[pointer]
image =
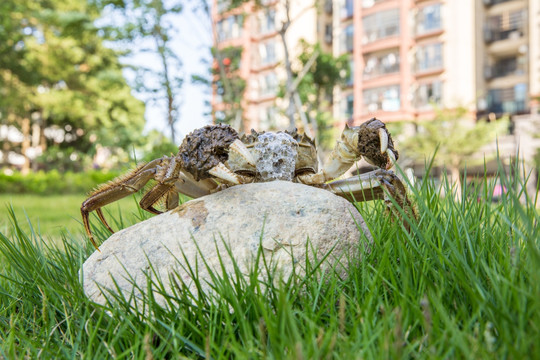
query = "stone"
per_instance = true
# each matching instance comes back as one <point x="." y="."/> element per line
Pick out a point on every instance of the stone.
<point x="276" y="218"/>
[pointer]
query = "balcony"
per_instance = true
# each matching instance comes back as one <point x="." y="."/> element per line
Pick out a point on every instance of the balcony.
<point x="511" y="100"/>
<point x="380" y="64"/>
<point x="384" y="98"/>
<point x="506" y="26"/>
<point x="495" y="2"/>
<point x="380" y="25"/>
<point x="428" y="20"/>
<point x="427" y="95"/>
<point x="429" y="58"/>
<point x="510" y="66"/>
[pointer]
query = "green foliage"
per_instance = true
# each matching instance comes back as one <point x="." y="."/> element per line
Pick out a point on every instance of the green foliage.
<point x="324" y="75"/>
<point x="156" y="145"/>
<point x="317" y="85"/>
<point x="232" y="88"/>
<point x="453" y="138"/>
<point x="464" y="283"/>
<point x="54" y="64"/>
<point x="56" y="214"/>
<point x="60" y="159"/>
<point x="53" y="182"/>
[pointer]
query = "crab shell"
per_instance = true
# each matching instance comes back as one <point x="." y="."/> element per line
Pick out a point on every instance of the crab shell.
<point x="306" y="158"/>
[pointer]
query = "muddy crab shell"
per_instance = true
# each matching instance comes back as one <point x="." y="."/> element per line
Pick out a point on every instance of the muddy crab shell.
<point x="369" y="143"/>
<point x="206" y="147"/>
<point x="307" y="153"/>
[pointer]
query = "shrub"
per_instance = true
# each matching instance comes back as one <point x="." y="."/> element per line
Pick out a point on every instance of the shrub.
<point x="54" y="182"/>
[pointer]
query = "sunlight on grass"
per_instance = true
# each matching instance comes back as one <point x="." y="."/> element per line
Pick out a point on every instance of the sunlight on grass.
<point x="56" y="214"/>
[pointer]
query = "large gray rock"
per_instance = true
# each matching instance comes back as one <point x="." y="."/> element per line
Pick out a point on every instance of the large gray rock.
<point x="278" y="217"/>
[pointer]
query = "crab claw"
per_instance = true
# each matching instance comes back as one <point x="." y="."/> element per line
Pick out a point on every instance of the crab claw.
<point x="240" y="148"/>
<point x="222" y="172"/>
<point x="383" y="136"/>
<point x="375" y="144"/>
<point x="392" y="159"/>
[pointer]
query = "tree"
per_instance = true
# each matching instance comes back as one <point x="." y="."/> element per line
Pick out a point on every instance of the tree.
<point x="223" y="76"/>
<point x="148" y="27"/>
<point x="454" y="139"/>
<point x="56" y="73"/>
<point x="314" y="83"/>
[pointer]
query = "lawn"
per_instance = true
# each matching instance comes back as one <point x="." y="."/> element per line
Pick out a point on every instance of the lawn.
<point x="55" y="214"/>
<point x="463" y="283"/>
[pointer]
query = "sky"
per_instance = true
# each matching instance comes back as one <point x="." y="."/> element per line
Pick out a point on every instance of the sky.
<point x="192" y="44"/>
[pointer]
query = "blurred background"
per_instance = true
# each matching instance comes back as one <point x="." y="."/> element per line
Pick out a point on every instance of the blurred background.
<point x="89" y="88"/>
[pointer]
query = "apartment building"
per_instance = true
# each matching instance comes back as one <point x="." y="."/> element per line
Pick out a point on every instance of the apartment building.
<point x="407" y="56"/>
<point x="255" y="29"/>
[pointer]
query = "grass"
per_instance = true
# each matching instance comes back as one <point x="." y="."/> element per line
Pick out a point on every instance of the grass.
<point x="464" y="283"/>
<point x="53" y="215"/>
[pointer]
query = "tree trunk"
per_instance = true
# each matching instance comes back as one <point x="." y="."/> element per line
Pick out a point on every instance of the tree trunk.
<point x="36" y="137"/>
<point x="25" y="129"/>
<point x="6" y="148"/>
<point x="161" y="44"/>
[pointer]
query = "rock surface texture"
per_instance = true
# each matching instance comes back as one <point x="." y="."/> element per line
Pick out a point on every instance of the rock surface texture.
<point x="276" y="218"/>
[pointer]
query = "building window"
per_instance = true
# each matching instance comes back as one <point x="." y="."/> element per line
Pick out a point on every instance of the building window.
<point x="347" y="9"/>
<point x="369" y="3"/>
<point x="378" y="64"/>
<point x="509" y="25"/>
<point x="267" y="53"/>
<point x="347" y="39"/>
<point x="268" y="85"/>
<point x="347" y="107"/>
<point x="380" y="25"/>
<point x="350" y="79"/>
<point x="230" y="27"/>
<point x="511" y="100"/>
<point x="328" y="33"/>
<point x="429" y="57"/>
<point x="428" y="94"/>
<point x="513" y="65"/>
<point x="428" y="19"/>
<point x="385" y="98"/>
<point x="267" y="21"/>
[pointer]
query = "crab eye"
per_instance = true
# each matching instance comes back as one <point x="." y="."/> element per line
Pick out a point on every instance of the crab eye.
<point x="304" y="171"/>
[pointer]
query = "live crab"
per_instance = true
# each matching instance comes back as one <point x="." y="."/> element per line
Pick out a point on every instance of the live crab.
<point x="215" y="157"/>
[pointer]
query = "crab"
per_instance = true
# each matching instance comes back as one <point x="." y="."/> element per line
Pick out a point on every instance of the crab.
<point x="216" y="157"/>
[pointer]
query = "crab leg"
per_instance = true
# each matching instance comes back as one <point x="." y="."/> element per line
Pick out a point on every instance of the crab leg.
<point x="370" y="140"/>
<point x="102" y="218"/>
<point x="187" y="185"/>
<point x="116" y="190"/>
<point x="375" y="185"/>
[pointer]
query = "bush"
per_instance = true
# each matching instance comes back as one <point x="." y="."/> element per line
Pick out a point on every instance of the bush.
<point x="54" y="182"/>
